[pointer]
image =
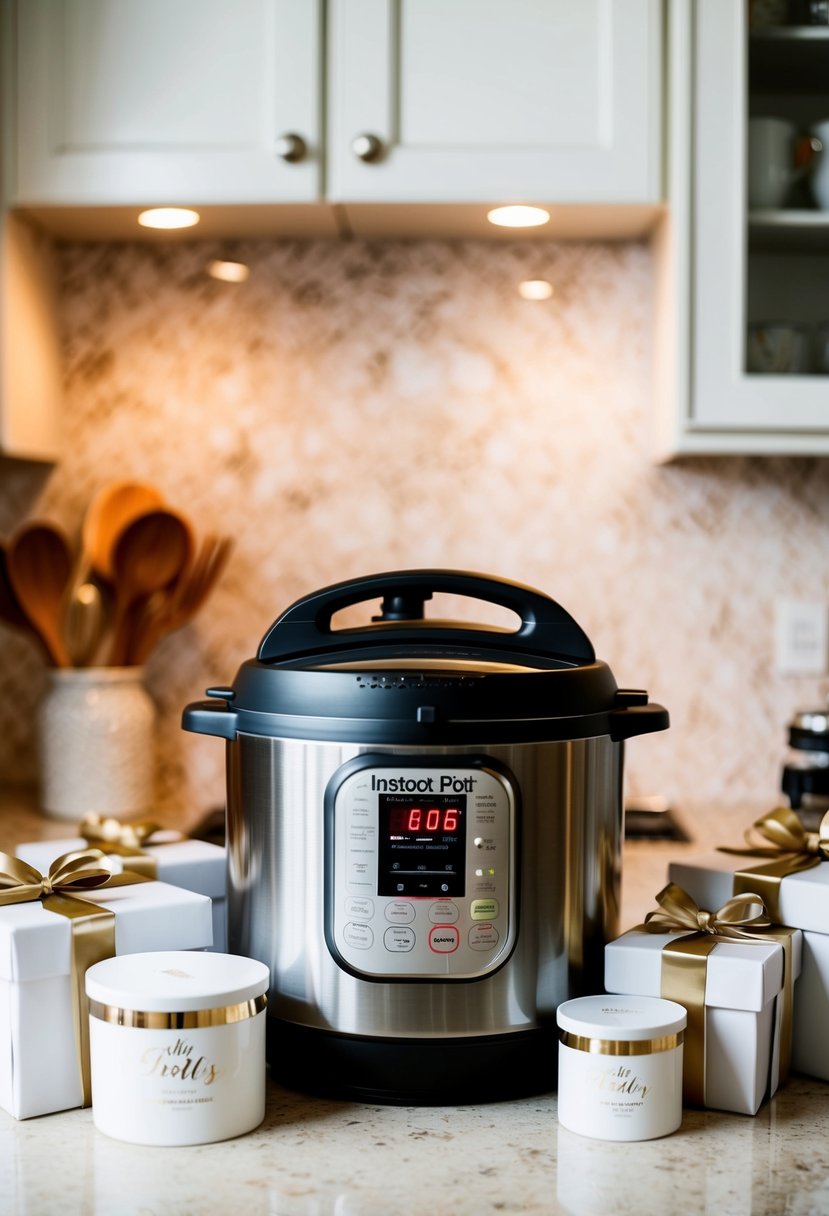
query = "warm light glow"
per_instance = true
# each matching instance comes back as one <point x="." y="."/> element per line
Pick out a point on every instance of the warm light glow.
<point x="518" y="216"/>
<point x="228" y="272"/>
<point x="87" y="593"/>
<point x="535" y="289"/>
<point x="168" y="217"/>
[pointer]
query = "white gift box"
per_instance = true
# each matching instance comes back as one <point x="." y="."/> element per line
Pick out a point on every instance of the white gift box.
<point x="39" y="1071"/>
<point x="194" y="865"/>
<point x="803" y="904"/>
<point x="742" y="984"/>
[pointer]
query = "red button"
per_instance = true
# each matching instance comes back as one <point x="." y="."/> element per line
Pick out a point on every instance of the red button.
<point x="443" y="939"/>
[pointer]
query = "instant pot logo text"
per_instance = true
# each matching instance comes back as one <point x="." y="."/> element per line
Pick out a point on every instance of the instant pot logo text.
<point x="445" y="784"/>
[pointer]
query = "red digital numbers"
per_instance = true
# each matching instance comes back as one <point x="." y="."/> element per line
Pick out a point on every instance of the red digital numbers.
<point x="435" y="820"/>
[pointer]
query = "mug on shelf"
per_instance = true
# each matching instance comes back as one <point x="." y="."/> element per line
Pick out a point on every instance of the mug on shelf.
<point x="779" y="156"/>
<point x="778" y="348"/>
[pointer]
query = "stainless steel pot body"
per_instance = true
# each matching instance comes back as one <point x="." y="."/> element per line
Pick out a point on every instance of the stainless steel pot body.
<point x="566" y="882"/>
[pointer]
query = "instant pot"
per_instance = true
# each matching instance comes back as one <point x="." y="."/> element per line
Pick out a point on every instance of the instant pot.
<point x="424" y="829"/>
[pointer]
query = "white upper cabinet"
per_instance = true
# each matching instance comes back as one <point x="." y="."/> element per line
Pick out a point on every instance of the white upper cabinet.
<point x="222" y="102"/>
<point x="746" y="287"/>
<point x="146" y="101"/>
<point x="474" y="100"/>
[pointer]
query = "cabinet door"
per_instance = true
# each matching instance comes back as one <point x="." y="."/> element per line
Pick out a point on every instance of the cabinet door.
<point x="478" y="100"/>
<point x="149" y="101"/>
<point x="30" y="362"/>
<point x="738" y="266"/>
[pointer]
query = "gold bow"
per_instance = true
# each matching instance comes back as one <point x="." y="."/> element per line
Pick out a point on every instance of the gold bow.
<point x="780" y="838"/>
<point x="81" y="870"/>
<point x="93" y="927"/>
<point x="96" y="828"/>
<point x="685" y="967"/>
<point x="678" y="911"/>
<point x="780" y="831"/>
<point x="126" y="840"/>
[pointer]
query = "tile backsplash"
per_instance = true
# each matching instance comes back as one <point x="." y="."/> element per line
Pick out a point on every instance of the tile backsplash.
<point x="356" y="407"/>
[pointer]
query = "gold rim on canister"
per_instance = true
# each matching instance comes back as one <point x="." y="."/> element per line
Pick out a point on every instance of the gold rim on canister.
<point x="621" y="1047"/>
<point x="191" y="1019"/>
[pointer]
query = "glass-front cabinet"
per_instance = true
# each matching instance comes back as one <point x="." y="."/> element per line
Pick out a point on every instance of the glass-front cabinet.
<point x="745" y="253"/>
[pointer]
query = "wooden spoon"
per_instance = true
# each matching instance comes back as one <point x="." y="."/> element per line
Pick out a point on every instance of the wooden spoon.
<point x="10" y="610"/>
<point x="184" y="597"/>
<point x="112" y="509"/>
<point x="151" y="552"/>
<point x="40" y="568"/>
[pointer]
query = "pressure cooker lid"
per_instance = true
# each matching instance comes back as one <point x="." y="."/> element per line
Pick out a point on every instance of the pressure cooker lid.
<point x="405" y="678"/>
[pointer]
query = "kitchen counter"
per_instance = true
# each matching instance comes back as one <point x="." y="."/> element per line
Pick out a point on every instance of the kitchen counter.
<point x="315" y="1157"/>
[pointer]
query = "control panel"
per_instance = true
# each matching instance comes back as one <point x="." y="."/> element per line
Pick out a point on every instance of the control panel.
<point x="420" y="861"/>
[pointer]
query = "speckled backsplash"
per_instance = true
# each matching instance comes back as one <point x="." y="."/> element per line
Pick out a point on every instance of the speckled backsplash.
<point x="357" y="407"/>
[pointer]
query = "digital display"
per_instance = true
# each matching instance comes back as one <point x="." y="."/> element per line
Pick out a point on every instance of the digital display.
<point x="422" y="846"/>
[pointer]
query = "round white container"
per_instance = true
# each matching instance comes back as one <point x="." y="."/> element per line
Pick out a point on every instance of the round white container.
<point x="620" y="1066"/>
<point x="177" y="1043"/>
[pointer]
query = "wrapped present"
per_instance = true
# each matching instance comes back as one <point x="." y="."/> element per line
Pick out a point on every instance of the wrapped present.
<point x="734" y="974"/>
<point x="787" y="865"/>
<point x="145" y="848"/>
<point x="53" y="927"/>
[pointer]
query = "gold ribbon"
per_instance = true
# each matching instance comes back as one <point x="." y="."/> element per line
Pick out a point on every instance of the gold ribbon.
<point x="739" y="917"/>
<point x="125" y="840"/>
<point x="788" y="848"/>
<point x="685" y="967"/>
<point x="93" y="927"/>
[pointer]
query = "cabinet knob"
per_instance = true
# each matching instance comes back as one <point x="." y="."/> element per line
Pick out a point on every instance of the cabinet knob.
<point x="367" y="147"/>
<point x="291" y="147"/>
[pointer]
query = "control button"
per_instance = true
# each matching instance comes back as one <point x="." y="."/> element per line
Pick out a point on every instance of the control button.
<point x="358" y="936"/>
<point x="443" y="912"/>
<point x="360" y="909"/>
<point x="484" y="909"/>
<point x="444" y="939"/>
<point x="399" y="940"/>
<point x="400" y="912"/>
<point x="483" y="937"/>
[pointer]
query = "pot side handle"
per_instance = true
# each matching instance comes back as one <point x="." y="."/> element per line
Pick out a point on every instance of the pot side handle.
<point x="632" y="720"/>
<point x="210" y="718"/>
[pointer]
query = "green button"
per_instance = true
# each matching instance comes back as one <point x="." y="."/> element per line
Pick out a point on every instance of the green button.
<point x="484" y="909"/>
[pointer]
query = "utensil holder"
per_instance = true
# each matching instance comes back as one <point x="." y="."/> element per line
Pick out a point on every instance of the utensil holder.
<point x="96" y="745"/>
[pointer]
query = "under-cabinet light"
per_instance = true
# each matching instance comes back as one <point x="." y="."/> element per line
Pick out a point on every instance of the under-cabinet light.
<point x="168" y="217"/>
<point x="518" y="216"/>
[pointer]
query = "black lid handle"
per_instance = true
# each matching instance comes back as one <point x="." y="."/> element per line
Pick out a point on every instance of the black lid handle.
<point x="546" y="629"/>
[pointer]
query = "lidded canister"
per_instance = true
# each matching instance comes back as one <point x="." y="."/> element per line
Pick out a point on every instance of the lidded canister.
<point x="620" y="1066"/>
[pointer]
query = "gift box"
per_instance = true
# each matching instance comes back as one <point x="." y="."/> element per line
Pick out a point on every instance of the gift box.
<point x="743" y="1015"/>
<point x="42" y="950"/>
<point x="802" y="901"/>
<point x="194" y="865"/>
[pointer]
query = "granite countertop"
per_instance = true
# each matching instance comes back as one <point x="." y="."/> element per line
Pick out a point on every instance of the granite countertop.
<point x="317" y="1157"/>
